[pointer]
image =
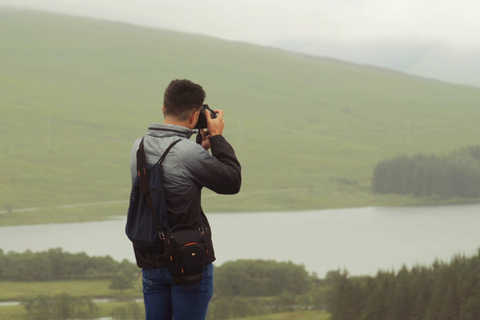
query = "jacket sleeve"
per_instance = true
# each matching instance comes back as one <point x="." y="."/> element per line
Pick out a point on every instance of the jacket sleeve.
<point x="220" y="171"/>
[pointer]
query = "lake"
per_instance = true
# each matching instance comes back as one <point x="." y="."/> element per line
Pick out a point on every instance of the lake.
<point x="361" y="240"/>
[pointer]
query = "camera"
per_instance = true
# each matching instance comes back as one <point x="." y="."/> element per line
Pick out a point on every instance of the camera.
<point x="202" y="119"/>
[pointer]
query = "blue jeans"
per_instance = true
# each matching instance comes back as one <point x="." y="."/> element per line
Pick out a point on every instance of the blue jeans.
<point x="165" y="300"/>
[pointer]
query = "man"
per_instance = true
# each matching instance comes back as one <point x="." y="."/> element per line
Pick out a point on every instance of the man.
<point x="188" y="168"/>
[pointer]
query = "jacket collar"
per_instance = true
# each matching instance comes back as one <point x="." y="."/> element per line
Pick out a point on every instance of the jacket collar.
<point x="167" y="130"/>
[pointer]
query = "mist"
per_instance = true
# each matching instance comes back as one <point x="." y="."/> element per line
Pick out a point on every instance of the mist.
<point x="432" y="59"/>
<point x="434" y="41"/>
<point x="310" y="129"/>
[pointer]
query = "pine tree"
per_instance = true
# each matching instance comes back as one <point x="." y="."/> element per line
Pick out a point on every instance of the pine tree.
<point x="347" y="299"/>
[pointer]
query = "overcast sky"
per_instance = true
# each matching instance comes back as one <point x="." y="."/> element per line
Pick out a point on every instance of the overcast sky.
<point x="439" y="39"/>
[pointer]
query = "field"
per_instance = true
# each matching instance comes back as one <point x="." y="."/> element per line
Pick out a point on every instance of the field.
<point x="19" y="313"/>
<point x="16" y="291"/>
<point x="20" y="291"/>
<point x="299" y="315"/>
<point x="308" y="131"/>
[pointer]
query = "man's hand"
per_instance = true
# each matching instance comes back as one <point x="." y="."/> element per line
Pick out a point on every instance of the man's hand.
<point x="215" y="126"/>
<point x="205" y="141"/>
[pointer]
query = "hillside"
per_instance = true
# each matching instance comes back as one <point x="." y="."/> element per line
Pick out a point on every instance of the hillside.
<point x="77" y="92"/>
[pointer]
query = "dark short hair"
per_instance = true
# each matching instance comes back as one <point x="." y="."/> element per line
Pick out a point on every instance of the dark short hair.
<point x="181" y="98"/>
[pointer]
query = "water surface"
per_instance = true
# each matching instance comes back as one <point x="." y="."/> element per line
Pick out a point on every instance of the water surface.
<point x="361" y="240"/>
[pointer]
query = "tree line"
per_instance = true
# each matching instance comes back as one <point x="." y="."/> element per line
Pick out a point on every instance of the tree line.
<point x="444" y="291"/>
<point x="256" y="287"/>
<point x="454" y="175"/>
<point x="242" y="288"/>
<point x="55" y="264"/>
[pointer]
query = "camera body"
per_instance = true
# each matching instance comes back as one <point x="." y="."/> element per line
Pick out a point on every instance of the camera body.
<point x="202" y="118"/>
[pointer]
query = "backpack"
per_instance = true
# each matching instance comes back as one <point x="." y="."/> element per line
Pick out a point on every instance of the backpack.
<point x="148" y="229"/>
<point x="141" y="226"/>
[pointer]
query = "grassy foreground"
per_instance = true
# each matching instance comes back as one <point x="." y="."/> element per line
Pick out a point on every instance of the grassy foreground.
<point x="19" y="313"/>
<point x="308" y="131"/>
<point x="15" y="291"/>
<point x="18" y="291"/>
<point x="299" y="315"/>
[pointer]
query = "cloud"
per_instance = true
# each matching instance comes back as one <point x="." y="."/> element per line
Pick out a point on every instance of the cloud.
<point x="270" y="20"/>
<point x="426" y="38"/>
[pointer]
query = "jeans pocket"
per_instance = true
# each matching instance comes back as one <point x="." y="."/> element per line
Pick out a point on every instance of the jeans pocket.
<point x="147" y="283"/>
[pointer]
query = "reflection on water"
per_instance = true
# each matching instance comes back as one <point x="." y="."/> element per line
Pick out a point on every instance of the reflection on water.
<point x="361" y="240"/>
<point x="10" y="303"/>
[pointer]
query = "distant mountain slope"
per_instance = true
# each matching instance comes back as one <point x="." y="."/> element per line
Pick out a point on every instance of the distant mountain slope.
<point x="75" y="93"/>
<point x="457" y="64"/>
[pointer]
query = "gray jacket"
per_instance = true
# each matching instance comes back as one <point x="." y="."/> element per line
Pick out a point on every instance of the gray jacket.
<point x="187" y="168"/>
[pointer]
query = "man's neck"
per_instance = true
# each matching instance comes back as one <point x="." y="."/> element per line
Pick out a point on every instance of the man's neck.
<point x="185" y="124"/>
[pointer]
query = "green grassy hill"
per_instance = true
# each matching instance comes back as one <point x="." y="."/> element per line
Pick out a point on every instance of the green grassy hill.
<point x="75" y="93"/>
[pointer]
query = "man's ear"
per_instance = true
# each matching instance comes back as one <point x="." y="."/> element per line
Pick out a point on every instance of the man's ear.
<point x="194" y="118"/>
<point x="163" y="112"/>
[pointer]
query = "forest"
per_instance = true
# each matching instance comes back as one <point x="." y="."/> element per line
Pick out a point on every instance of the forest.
<point x="442" y="177"/>
<point x="443" y="291"/>
<point x="55" y="264"/>
<point x="246" y="288"/>
<point x="242" y="288"/>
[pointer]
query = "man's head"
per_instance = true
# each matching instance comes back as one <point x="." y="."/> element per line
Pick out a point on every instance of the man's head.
<point x="181" y="99"/>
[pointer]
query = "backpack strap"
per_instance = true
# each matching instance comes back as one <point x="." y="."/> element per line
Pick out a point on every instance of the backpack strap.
<point x="167" y="150"/>
<point x="142" y="173"/>
<point x="144" y="180"/>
